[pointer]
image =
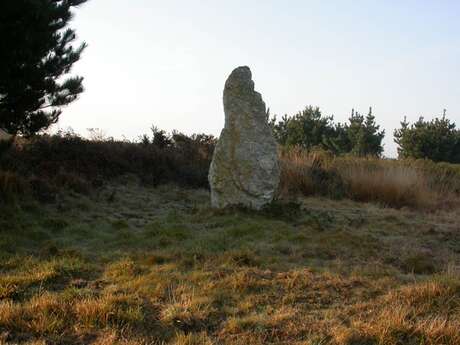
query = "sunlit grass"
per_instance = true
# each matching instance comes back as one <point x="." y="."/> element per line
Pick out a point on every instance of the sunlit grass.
<point x="158" y="266"/>
<point x="416" y="184"/>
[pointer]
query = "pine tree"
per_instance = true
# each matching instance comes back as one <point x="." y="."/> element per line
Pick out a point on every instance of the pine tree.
<point x="438" y="140"/>
<point x="355" y="133"/>
<point x="310" y="129"/>
<point x="364" y="134"/>
<point x="36" y="52"/>
<point x="374" y="136"/>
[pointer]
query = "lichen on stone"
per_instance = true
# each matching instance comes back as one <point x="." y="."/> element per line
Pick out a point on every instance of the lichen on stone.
<point x="245" y="168"/>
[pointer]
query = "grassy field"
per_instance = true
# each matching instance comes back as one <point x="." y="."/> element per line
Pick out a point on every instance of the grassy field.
<point x="140" y="265"/>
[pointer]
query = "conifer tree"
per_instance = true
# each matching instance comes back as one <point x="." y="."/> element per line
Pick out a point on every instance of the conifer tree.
<point x="36" y="54"/>
<point x="310" y="129"/>
<point x="438" y="140"/>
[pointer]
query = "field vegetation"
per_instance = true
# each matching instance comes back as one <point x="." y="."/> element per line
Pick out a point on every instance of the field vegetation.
<point x="131" y="264"/>
<point x="106" y="242"/>
<point x="419" y="184"/>
<point x="110" y="242"/>
<point x="43" y="165"/>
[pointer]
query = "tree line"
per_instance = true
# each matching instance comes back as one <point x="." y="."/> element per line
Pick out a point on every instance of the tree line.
<point x="37" y="53"/>
<point x="437" y="140"/>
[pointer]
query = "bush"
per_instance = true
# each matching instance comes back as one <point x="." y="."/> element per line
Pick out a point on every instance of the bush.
<point x="309" y="173"/>
<point x="11" y="186"/>
<point x="443" y="177"/>
<point x="437" y="140"/>
<point x="69" y="161"/>
<point x="310" y="129"/>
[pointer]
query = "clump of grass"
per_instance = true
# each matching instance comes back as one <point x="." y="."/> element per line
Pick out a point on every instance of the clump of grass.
<point x="419" y="263"/>
<point x="43" y="190"/>
<point x="120" y="224"/>
<point x="50" y="314"/>
<point x="192" y="339"/>
<point x="110" y="310"/>
<point x="295" y="173"/>
<point x="422" y="313"/>
<point x="188" y="312"/>
<point x="388" y="182"/>
<point x="55" y="224"/>
<point x="309" y="173"/>
<point x="73" y="182"/>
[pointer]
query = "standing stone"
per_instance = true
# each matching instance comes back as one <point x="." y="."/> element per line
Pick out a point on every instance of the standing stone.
<point x="245" y="169"/>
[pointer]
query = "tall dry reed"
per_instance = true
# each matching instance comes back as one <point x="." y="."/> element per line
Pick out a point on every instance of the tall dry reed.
<point x="388" y="182"/>
<point x="392" y="183"/>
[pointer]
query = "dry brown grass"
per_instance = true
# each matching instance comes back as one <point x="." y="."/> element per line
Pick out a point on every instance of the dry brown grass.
<point x="158" y="266"/>
<point x="423" y="313"/>
<point x="296" y="166"/>
<point x="388" y="182"/>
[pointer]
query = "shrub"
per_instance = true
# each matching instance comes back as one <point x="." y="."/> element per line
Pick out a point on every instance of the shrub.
<point x="69" y="161"/>
<point x="11" y="185"/>
<point x="310" y="129"/>
<point x="437" y="140"/>
<point x="444" y="177"/>
<point x="42" y="190"/>
<point x="309" y="173"/>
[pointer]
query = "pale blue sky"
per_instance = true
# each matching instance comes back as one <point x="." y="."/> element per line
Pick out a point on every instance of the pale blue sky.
<point x="165" y="62"/>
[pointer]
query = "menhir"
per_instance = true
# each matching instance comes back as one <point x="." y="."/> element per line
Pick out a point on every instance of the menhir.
<point x="245" y="168"/>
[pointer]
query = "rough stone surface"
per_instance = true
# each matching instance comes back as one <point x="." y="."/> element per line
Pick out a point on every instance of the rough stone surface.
<point x="245" y="169"/>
